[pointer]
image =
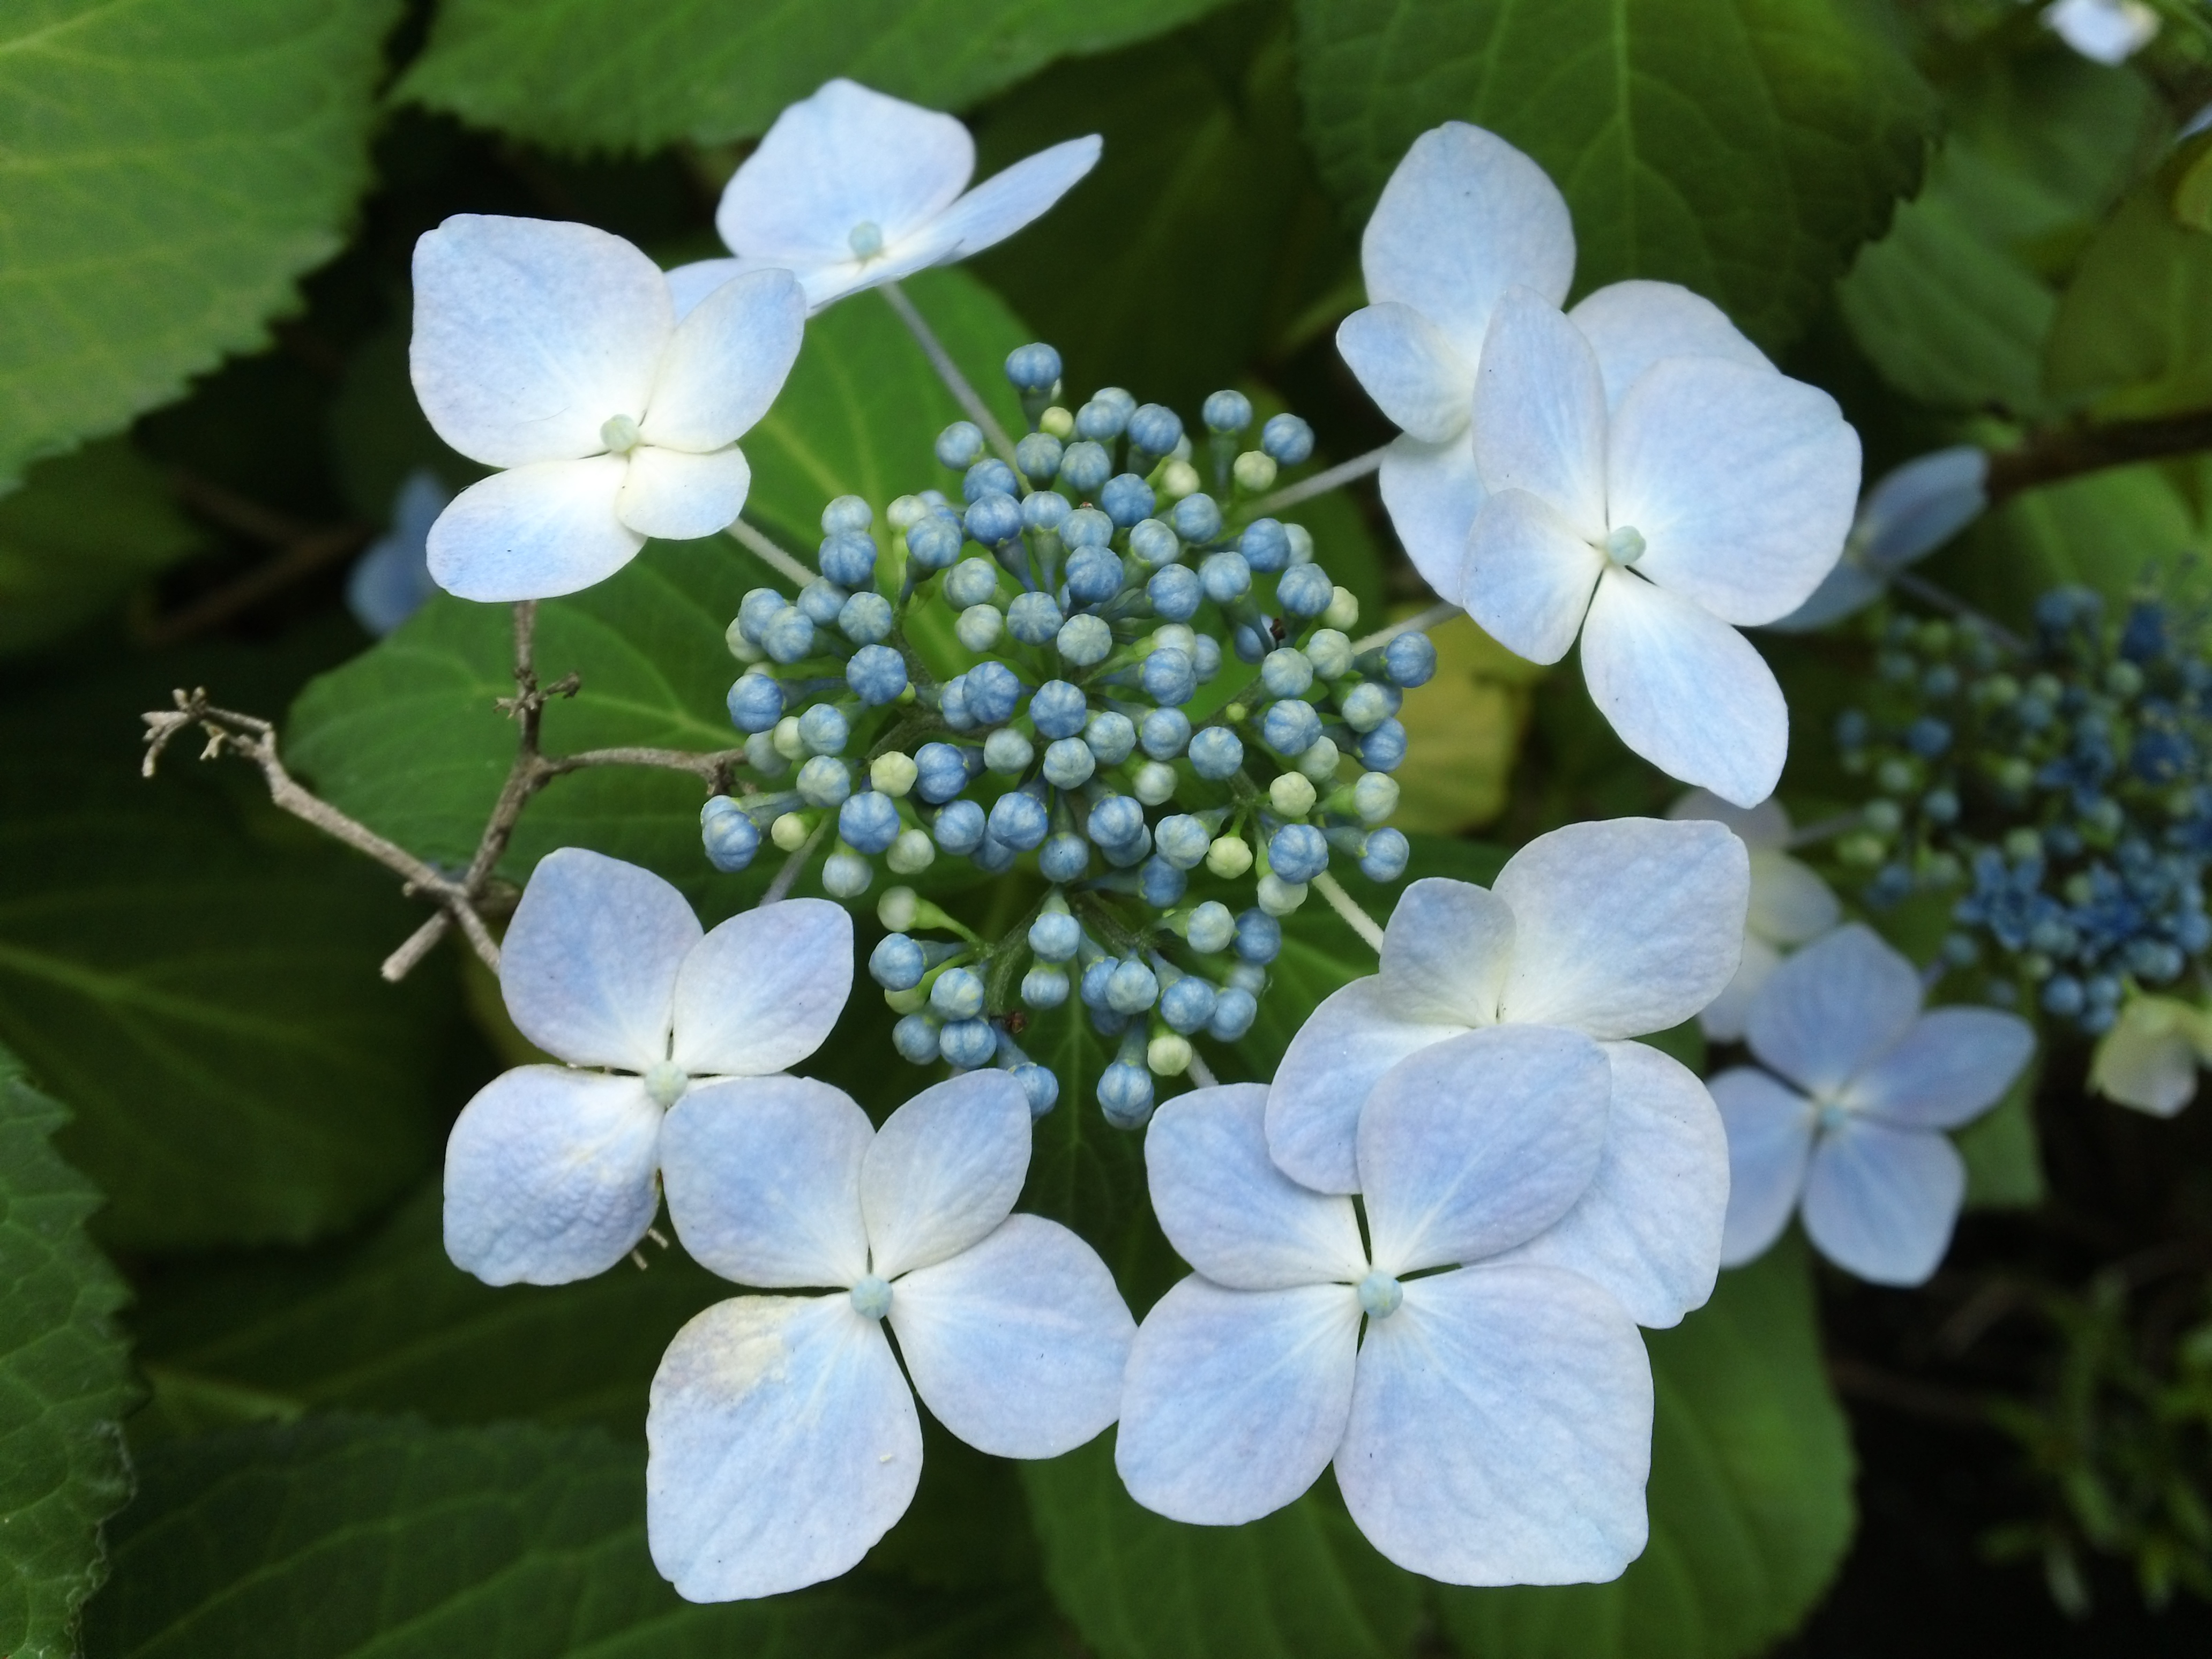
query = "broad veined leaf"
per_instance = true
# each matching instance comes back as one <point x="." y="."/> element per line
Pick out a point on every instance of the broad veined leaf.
<point x="355" y="1535"/>
<point x="1300" y="1582"/>
<point x="2107" y="530"/>
<point x="2133" y="335"/>
<point x="166" y="169"/>
<point x="1744" y="148"/>
<point x="1750" y="1494"/>
<point x="83" y="530"/>
<point x="593" y="74"/>
<point x="1463" y="732"/>
<point x="1954" y="305"/>
<point x="66" y="1383"/>
<point x="197" y="974"/>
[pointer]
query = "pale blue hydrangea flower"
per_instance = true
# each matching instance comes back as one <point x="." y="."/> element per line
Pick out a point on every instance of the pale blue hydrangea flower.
<point x="2104" y="31"/>
<point x="1910" y="513"/>
<point x="553" y="350"/>
<point x="391" y="580"/>
<point x="783" y="1440"/>
<point x="1850" y="1132"/>
<point x="851" y="188"/>
<point x="1789" y="905"/>
<point x="550" y="1171"/>
<point x="1492" y="1424"/>
<point x="1611" y="930"/>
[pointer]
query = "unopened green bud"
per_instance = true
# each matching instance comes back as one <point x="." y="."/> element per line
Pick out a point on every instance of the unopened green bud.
<point x="911" y="854"/>
<point x="1168" y="1055"/>
<point x="1229" y="857"/>
<point x="897" y="908"/>
<point x="1279" y="897"/>
<point x="1343" y="615"/>
<point x="893" y="773"/>
<point x="1254" y="470"/>
<point x="790" y="831"/>
<point x="1291" y="795"/>
<point x="1057" y="421"/>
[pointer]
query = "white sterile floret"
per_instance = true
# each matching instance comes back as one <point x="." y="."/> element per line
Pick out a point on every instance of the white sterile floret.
<point x="1789" y="905"/>
<point x="1653" y="484"/>
<point x="1464" y="217"/>
<point x="553" y="351"/>
<point x="1911" y="511"/>
<point x="2148" y="1060"/>
<point x="2104" y="31"/>
<point x="550" y="1171"/>
<point x="783" y="1440"/>
<point x="1854" y="1124"/>
<point x="1611" y="930"/>
<point x="1492" y="1425"/>
<point x="851" y="188"/>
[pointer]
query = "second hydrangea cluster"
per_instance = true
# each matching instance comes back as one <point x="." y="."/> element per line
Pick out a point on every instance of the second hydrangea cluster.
<point x="1090" y="663"/>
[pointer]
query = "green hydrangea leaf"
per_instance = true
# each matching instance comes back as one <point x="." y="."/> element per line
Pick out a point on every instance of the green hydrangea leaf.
<point x="170" y="168"/>
<point x="65" y="1381"/>
<point x="2133" y="334"/>
<point x="1750" y="1495"/>
<point x="352" y="1535"/>
<point x="585" y="74"/>
<point x="1743" y="148"/>
<point x="83" y="530"/>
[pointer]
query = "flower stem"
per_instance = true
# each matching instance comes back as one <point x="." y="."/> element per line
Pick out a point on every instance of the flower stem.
<point x="1927" y="593"/>
<point x="788" y="878"/>
<point x="1442" y="611"/>
<point x="1321" y="483"/>
<point x="769" y="554"/>
<point x="1825" y="829"/>
<point x="948" y="371"/>
<point x="1199" y="1072"/>
<point x="1347" y="907"/>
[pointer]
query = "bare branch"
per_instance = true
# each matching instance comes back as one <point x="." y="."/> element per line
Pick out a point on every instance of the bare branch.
<point x="2068" y="452"/>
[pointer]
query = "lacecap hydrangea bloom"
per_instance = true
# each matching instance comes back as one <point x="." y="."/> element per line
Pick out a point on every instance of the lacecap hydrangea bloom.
<point x="1607" y="930"/>
<point x="1490" y="1424"/>
<point x="553" y="351"/>
<point x="550" y="1171"/>
<point x="783" y="1440"/>
<point x="851" y="188"/>
<point x="1635" y="471"/>
<point x="1846" y="1123"/>
<point x="1789" y="905"/>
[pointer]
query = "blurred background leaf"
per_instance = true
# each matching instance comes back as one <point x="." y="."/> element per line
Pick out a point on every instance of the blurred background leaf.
<point x="82" y="530"/>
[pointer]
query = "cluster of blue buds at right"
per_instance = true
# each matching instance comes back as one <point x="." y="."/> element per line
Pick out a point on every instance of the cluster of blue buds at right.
<point x="1038" y="678"/>
<point x="2069" y="793"/>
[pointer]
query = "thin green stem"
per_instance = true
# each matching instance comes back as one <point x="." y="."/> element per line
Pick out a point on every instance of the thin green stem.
<point x="948" y="371"/>
<point x="1321" y="483"/>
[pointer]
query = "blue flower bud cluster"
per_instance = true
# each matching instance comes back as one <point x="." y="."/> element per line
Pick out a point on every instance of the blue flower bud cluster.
<point x="1087" y="665"/>
<point x="2064" y="793"/>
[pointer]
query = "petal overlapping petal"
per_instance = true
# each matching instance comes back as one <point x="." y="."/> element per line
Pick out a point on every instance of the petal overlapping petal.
<point x="1500" y="1431"/>
<point x="1235" y="1400"/>
<point x="1446" y="952"/>
<point x="1789" y="905"/>
<point x="1831" y="1009"/>
<point x="679" y="496"/>
<point x="1684" y="689"/>
<point x="1016" y="196"/>
<point x="726" y="360"/>
<point x="1726" y="1016"/>
<point x="1433" y="493"/>
<point x="1765" y="825"/>
<point x="1769" y="1136"/>
<point x="549" y="1175"/>
<point x="944" y="1171"/>
<point x="1339" y="1054"/>
<point x="1633" y="324"/>
<point x="533" y="532"/>
<point x="1229" y="1210"/>
<point x="589" y="963"/>
<point x="1529" y="576"/>
<point x="761" y="991"/>
<point x="1952" y="1066"/>
<point x="763" y="1179"/>
<point x="1648" y="1229"/>
<point x="1880" y="1201"/>
<point x="1410" y="367"/>
<point x="1624" y="926"/>
<point x="530" y="334"/>
<point x="1017" y="1345"/>
<point x="1539" y="417"/>
<point x="783" y="1442"/>
<point x="1479" y="1143"/>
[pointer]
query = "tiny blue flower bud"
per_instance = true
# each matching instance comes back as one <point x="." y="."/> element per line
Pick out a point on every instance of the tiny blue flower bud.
<point x="1044" y="987"/>
<point x="1083" y="466"/>
<point x="865" y="619"/>
<point x="1038" y="457"/>
<point x="1152" y="544"/>
<point x="1064" y="857"/>
<point x="1227" y="412"/>
<point x="992" y="693"/>
<point x="1366" y="707"/>
<point x="1125" y="1095"/>
<point x="1168" y="679"/>
<point x="1115" y="821"/>
<point x="959" y="444"/>
<point x="940" y="773"/>
<point x="1928" y="736"/>
<point x="1386" y="855"/>
<point x="1330" y="653"/>
<point x="730" y="838"/>
<point x="1059" y="709"/>
<point x="896" y="963"/>
<point x="876" y="674"/>
<point x="1259" y="936"/>
<point x="993" y="518"/>
<point x="1290" y="727"/>
<point x="933" y="544"/>
<point x="847" y="559"/>
<point x="1248" y="976"/>
<point x="1084" y="641"/>
<point x="824" y="780"/>
<point x="1252" y="643"/>
<point x="1102" y="419"/>
<point x="1286" y="673"/>
<point x="1287" y="439"/>
<point x="1127" y="500"/>
<point x="824" y="730"/>
<point x="958" y="994"/>
<point x="1018" y="820"/>
<point x="915" y="1039"/>
<point x="1197" y="517"/>
<point x="1297" y="853"/>
<point x="789" y="635"/>
<point x="1110" y="737"/>
<point x="2063" y="995"/>
<point x="1045" y="510"/>
<point x="1225" y="577"/>
<point x="1187" y="1004"/>
<point x="1033" y="367"/>
<point x="756" y="702"/>
<point x="1093" y="988"/>
<point x="1410" y="660"/>
<point x="1155" y="429"/>
<point x="1234" y="1010"/>
<point x="988" y="477"/>
<point x="1305" y="591"/>
<point x="1094" y="576"/>
<point x="1264" y="545"/>
<point x="756" y="610"/>
<point x="846" y="874"/>
<point x="869" y="822"/>
<point x="970" y="1044"/>
<point x="1374" y="797"/>
<point x="1216" y="752"/>
<point x="1055" y="936"/>
<point x="1174" y="593"/>
<point x="1211" y="928"/>
<point x="1034" y="618"/>
<point x="1041" y="1086"/>
<point x="972" y="582"/>
<point x="1086" y="526"/>
<point x="1160" y="883"/>
<point x="846" y="515"/>
<point x="960" y="827"/>
<point x="1384" y="750"/>
<point x="979" y="627"/>
<point x="1205" y="657"/>
<point x="1132" y="988"/>
<point x="1068" y="764"/>
<point x="1183" y="842"/>
<point x="1007" y="752"/>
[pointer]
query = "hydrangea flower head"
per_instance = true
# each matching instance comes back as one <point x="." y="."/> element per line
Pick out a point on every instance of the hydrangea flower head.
<point x="552" y="350"/>
<point x="551" y="1170"/>
<point x="783" y="1440"/>
<point x="1610" y="930"/>
<point x="1789" y="905"/>
<point x="1853" y="1123"/>
<point x="1492" y="1424"/>
<point x="1653" y="484"/>
<point x="851" y="188"/>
